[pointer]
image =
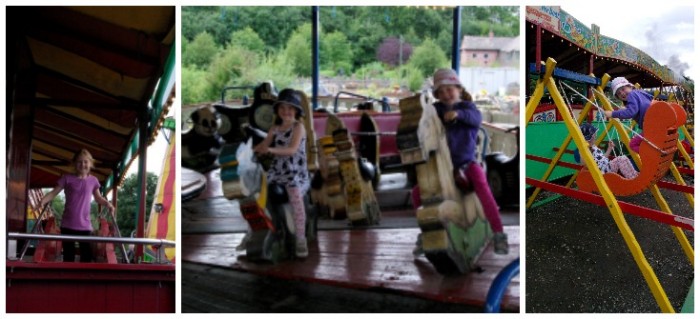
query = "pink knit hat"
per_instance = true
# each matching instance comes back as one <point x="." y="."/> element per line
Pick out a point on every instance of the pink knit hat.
<point x="445" y="77"/>
<point x="619" y="82"/>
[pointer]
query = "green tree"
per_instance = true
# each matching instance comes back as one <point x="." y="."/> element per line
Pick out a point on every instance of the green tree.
<point x="336" y="52"/>
<point x="273" y="68"/>
<point x="249" y="39"/>
<point x="298" y="50"/>
<point x="193" y="85"/>
<point x="200" y="51"/>
<point x="226" y="68"/>
<point x="428" y="57"/>
<point x="414" y="78"/>
<point x="127" y="201"/>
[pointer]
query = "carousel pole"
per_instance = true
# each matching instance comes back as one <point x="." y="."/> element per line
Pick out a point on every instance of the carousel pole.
<point x="314" y="56"/>
<point x="456" y="34"/>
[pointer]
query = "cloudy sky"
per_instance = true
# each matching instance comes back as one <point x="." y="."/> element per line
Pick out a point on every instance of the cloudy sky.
<point x="662" y="31"/>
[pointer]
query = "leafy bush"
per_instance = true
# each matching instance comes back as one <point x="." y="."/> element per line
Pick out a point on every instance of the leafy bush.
<point x="298" y="50"/>
<point x="428" y="57"/>
<point x="192" y="85"/>
<point x="200" y="51"/>
<point x="414" y="78"/>
<point x="249" y="39"/>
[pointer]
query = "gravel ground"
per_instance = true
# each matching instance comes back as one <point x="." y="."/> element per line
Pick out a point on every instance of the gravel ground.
<point x="577" y="260"/>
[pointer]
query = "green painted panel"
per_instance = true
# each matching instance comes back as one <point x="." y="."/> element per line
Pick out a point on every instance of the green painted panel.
<point x="470" y="242"/>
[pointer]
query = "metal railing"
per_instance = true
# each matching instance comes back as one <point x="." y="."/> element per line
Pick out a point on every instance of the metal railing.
<point x="160" y="244"/>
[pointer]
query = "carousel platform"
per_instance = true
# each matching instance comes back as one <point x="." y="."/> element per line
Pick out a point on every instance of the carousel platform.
<point x="368" y="269"/>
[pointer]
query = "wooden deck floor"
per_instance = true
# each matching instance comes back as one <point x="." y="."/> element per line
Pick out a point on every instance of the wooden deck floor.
<point x="370" y="269"/>
<point x="367" y="259"/>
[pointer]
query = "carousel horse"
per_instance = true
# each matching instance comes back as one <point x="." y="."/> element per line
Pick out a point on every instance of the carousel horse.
<point x="344" y="187"/>
<point x="264" y="206"/>
<point x="454" y="229"/>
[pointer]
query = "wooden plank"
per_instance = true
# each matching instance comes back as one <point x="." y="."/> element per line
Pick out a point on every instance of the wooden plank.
<point x="367" y="259"/>
<point x="215" y="289"/>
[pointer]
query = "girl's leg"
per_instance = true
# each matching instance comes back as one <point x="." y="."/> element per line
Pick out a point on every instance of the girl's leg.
<point x="623" y="165"/>
<point x="85" y="248"/>
<point x="296" y="199"/>
<point x="483" y="191"/>
<point x="68" y="247"/>
<point x="415" y="197"/>
<point x="635" y="142"/>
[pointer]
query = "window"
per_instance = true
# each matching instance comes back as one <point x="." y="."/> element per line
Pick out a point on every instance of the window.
<point x="486" y="55"/>
<point x="473" y="55"/>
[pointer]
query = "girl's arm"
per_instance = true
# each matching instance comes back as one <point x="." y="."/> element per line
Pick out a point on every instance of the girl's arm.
<point x="263" y="147"/>
<point x="631" y="109"/>
<point x="293" y="146"/>
<point x="469" y="115"/>
<point x="102" y="201"/>
<point x="50" y="195"/>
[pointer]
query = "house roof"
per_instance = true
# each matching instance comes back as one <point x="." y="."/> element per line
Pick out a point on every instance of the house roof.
<point x="506" y="44"/>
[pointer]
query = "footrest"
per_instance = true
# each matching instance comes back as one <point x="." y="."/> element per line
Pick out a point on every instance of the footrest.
<point x="255" y="216"/>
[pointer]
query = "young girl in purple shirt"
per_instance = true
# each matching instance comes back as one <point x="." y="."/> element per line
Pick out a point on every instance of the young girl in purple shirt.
<point x="637" y="103"/>
<point x="79" y="190"/>
<point x="462" y="121"/>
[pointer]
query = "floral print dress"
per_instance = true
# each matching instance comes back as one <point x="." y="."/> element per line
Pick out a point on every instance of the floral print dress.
<point x="289" y="170"/>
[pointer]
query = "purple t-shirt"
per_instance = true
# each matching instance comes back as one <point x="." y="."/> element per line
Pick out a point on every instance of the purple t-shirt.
<point x="76" y="215"/>
<point x="638" y="102"/>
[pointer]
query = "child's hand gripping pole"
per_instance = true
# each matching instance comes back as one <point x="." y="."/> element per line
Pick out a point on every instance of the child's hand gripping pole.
<point x="105" y="212"/>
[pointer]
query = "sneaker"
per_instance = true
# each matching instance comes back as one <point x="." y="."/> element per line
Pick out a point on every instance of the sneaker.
<point x="418" y="250"/>
<point x="244" y="243"/>
<point x="302" y="251"/>
<point x="500" y="243"/>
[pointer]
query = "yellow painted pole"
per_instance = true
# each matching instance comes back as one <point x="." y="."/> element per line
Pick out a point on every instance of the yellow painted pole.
<point x="534" y="101"/>
<point x="680" y="235"/>
<point x="682" y="239"/>
<point x="564" y="145"/>
<point x="610" y="200"/>
<point x="688" y="136"/>
<point x="685" y="154"/>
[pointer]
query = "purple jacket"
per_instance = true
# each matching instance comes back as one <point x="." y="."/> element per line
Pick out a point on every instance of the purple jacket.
<point x="638" y="102"/>
<point x="462" y="133"/>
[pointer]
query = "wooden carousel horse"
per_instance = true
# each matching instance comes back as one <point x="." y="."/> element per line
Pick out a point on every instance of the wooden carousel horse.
<point x="326" y="186"/>
<point x="454" y="229"/>
<point x="361" y="205"/>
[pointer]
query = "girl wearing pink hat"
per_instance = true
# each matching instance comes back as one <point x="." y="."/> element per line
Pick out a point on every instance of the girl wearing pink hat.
<point x="636" y="101"/>
<point x="462" y="121"/>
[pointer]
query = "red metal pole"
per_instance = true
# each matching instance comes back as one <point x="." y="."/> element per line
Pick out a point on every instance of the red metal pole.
<point x="538" y="48"/>
<point x="659" y="216"/>
<point x="140" y="220"/>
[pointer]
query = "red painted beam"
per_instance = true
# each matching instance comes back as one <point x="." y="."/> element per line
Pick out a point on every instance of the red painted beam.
<point x="556" y="149"/>
<point x="676" y="187"/>
<point x="549" y="160"/>
<point x="661" y="184"/>
<point x="659" y="216"/>
<point x="686" y="171"/>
